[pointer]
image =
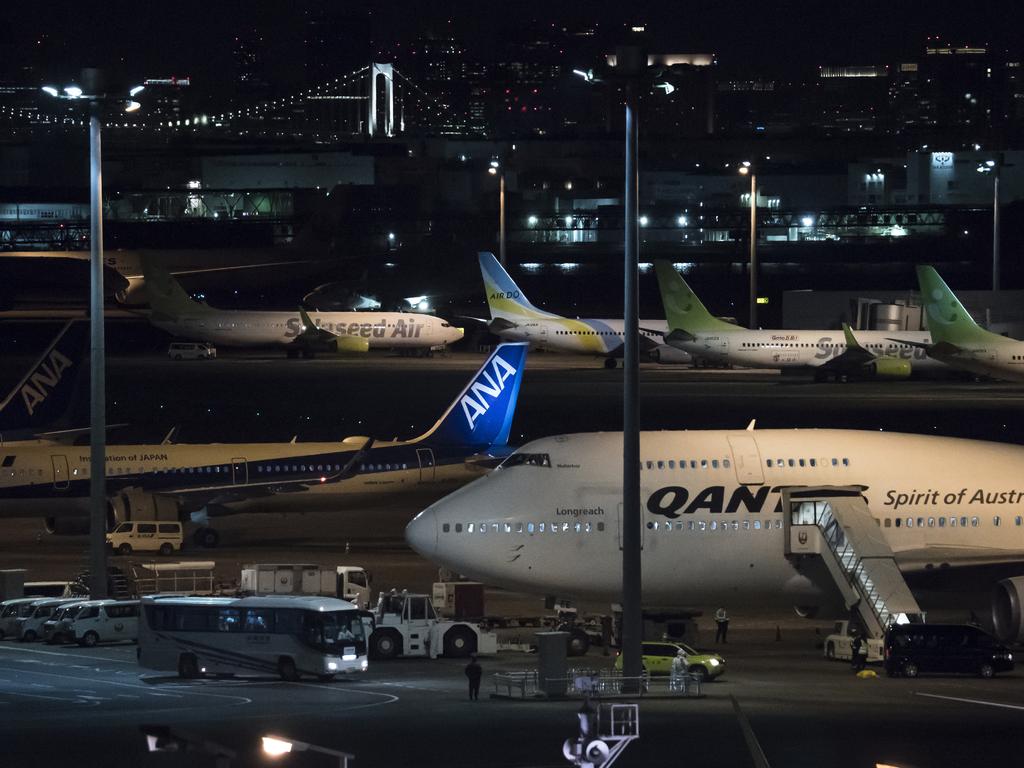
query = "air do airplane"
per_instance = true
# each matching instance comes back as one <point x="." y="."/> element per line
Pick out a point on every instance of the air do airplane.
<point x="170" y="481"/>
<point x="298" y="332"/>
<point x="947" y="511"/>
<point x="514" y="318"/>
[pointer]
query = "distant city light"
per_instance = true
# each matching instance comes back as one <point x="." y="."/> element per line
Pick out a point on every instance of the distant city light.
<point x="807" y="221"/>
<point x="391" y="236"/>
<point x="531" y="220"/>
<point x="568" y="221"/>
<point x="643" y="221"/>
<point x="73" y="91"/>
<point x="529" y="266"/>
<point x="681" y="221"/>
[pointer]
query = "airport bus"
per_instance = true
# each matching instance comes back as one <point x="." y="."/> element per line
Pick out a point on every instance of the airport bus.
<point x="284" y="635"/>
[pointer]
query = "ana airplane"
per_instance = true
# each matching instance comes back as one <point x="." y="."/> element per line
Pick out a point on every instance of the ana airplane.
<point x="196" y="482"/>
<point x="827" y="353"/>
<point x="513" y="317"/>
<point x="299" y="333"/>
<point x="960" y="342"/>
<point x="547" y="521"/>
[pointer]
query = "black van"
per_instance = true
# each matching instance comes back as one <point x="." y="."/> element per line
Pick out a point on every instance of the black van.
<point x="914" y="648"/>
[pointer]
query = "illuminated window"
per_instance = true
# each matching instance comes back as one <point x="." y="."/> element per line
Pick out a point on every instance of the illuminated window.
<point x="508" y="527"/>
<point x="519" y="527"/>
<point x="757" y="525"/>
<point x="995" y="521"/>
<point x="703" y="525"/>
<point x="529" y="527"/>
<point x="469" y="527"/>
<point x="714" y="525"/>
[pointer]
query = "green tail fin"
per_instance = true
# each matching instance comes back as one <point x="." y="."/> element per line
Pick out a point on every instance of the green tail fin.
<point x="165" y="294"/>
<point x="683" y="310"/>
<point x="851" y="340"/>
<point x="948" y="321"/>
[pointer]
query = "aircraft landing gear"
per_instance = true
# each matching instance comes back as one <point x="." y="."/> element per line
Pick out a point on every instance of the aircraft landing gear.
<point x="207" y="538"/>
<point x="610" y="362"/>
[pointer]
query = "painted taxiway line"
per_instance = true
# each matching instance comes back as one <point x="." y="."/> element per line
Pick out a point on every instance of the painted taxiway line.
<point x="971" y="701"/>
<point x="60" y="653"/>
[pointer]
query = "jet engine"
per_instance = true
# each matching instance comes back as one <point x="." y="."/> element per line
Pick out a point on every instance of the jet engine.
<point x="889" y="368"/>
<point x="1007" y="615"/>
<point x="134" y="504"/>
<point x="66" y="526"/>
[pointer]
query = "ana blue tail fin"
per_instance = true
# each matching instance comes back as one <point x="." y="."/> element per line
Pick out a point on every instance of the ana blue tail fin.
<point x="482" y="413"/>
<point x="43" y="397"/>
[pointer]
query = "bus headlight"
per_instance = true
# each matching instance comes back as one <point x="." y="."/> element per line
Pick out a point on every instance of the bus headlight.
<point x="332" y="665"/>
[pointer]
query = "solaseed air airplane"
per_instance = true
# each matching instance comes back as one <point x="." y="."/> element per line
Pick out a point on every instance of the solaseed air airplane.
<point x="961" y="343"/>
<point x="514" y="318"/>
<point x="196" y="482"/>
<point x="174" y="311"/>
<point x="697" y="331"/>
<point x="946" y="513"/>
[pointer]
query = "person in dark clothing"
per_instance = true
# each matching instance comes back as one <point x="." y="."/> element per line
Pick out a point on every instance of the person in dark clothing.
<point x="858" y="659"/>
<point x="721" y="626"/>
<point x="474" y="672"/>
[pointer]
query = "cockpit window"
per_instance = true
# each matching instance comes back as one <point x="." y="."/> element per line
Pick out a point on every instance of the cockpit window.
<point x="527" y="459"/>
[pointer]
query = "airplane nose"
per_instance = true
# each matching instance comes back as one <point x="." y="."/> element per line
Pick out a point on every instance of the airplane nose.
<point x="455" y="334"/>
<point x="421" y="533"/>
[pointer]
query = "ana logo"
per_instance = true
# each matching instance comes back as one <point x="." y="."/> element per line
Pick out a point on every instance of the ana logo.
<point x="505" y="295"/>
<point x="39" y="385"/>
<point x="475" y="403"/>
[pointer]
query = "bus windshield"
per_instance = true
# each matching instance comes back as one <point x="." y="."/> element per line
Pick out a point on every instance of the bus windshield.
<point x="329" y="631"/>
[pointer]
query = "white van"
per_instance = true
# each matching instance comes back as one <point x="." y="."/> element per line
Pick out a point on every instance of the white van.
<point x="30" y="622"/>
<point x="57" y="628"/>
<point x="188" y="350"/>
<point x="106" y="621"/>
<point x="155" y="536"/>
<point x="9" y="615"/>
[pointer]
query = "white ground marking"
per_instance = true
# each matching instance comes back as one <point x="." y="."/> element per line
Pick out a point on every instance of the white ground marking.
<point x="972" y="701"/>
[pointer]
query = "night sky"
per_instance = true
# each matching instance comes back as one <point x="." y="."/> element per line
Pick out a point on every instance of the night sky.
<point x="52" y="40"/>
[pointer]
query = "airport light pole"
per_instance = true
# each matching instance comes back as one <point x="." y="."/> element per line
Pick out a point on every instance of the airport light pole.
<point x="747" y="170"/>
<point x="634" y="75"/>
<point x="992" y="167"/>
<point x="98" y="102"/>
<point x="497" y="168"/>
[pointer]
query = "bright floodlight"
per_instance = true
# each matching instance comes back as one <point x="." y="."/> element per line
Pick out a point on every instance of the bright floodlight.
<point x="423" y="306"/>
<point x="746" y="163"/>
<point x="990" y="163"/>
<point x="276" y="747"/>
<point x="132" y="106"/>
<point x="681" y="221"/>
<point x="49" y="89"/>
<point x="531" y="220"/>
<point x="588" y="75"/>
<point x="494" y="163"/>
<point x="136" y="90"/>
<point x="744" y="170"/>
<point x="643" y="221"/>
<point x="493" y="171"/>
<point x="73" y="91"/>
<point x="807" y="221"/>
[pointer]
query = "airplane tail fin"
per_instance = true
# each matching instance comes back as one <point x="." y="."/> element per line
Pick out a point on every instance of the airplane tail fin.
<point x="45" y="394"/>
<point x="503" y="295"/>
<point x="482" y="413"/>
<point x="166" y="296"/>
<point x="683" y="310"/>
<point x="948" y="321"/>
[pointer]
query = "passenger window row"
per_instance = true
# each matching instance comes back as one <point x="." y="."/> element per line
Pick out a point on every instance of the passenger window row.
<point x="520" y="528"/>
<point x="941" y="522"/>
<point x="693" y="464"/>
<point x="713" y="525"/>
<point x="780" y="463"/>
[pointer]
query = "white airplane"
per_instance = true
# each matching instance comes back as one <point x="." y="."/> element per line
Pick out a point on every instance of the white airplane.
<point x="174" y="311"/>
<point x="547" y="521"/>
<point x="961" y="343"/>
<point x="697" y="331"/>
<point x="169" y="481"/>
<point x="514" y="318"/>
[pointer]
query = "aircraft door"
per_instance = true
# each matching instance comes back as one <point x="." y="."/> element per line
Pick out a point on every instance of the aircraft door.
<point x="428" y="469"/>
<point x="60" y="472"/>
<point x="746" y="459"/>
<point x="239" y="471"/>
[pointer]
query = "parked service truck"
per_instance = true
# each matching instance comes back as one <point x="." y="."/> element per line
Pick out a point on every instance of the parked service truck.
<point x="839" y="644"/>
<point x="405" y="624"/>
<point x="348" y="582"/>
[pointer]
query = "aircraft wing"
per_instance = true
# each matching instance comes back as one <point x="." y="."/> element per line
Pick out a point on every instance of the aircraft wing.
<point x="854" y="357"/>
<point x="226" y="493"/>
<point x="315" y="338"/>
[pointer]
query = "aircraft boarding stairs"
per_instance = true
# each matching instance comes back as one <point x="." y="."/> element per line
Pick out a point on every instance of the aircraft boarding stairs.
<point x="836" y="524"/>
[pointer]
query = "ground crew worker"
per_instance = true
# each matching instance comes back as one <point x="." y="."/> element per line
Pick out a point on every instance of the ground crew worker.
<point x="857" y="658"/>
<point x="474" y="672"/>
<point x="721" y="625"/>
<point x="680" y="669"/>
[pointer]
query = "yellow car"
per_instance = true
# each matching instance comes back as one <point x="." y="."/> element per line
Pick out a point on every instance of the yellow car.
<point x="658" y="656"/>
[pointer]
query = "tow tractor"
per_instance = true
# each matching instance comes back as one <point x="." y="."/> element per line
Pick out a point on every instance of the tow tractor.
<point x="405" y="624"/>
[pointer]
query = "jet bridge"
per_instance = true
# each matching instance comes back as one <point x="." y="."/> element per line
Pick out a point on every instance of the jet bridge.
<point x="834" y="523"/>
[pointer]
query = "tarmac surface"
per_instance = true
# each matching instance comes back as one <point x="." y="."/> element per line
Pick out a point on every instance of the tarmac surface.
<point x="61" y="704"/>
